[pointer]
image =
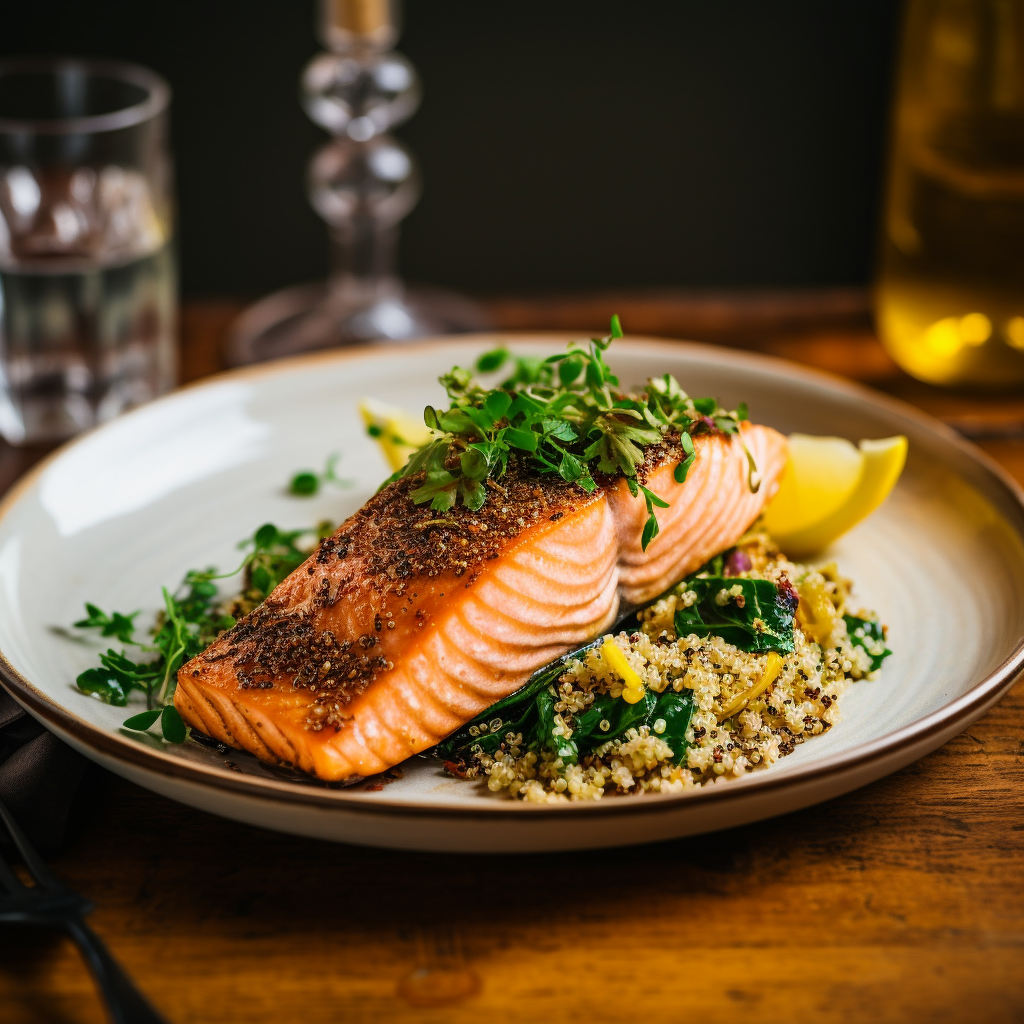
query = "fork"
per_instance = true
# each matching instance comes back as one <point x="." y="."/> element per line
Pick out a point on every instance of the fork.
<point x="50" y="903"/>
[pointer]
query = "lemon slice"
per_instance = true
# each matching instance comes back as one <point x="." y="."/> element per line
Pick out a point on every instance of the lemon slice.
<point x="820" y="476"/>
<point x="828" y="487"/>
<point x="397" y="432"/>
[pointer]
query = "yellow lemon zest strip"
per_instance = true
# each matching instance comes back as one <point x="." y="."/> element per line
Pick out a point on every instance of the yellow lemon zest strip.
<point x="772" y="668"/>
<point x="612" y="654"/>
<point x="816" y="613"/>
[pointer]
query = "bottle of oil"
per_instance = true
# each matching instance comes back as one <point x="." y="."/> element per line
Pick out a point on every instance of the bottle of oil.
<point x="950" y="292"/>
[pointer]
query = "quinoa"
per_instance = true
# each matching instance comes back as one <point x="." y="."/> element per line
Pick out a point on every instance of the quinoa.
<point x="729" y="736"/>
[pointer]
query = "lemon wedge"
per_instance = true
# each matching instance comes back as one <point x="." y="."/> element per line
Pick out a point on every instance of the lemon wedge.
<point x="820" y="476"/>
<point x="829" y="486"/>
<point x="397" y="432"/>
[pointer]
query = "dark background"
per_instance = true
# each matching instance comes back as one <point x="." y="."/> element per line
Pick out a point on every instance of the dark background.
<point x="563" y="143"/>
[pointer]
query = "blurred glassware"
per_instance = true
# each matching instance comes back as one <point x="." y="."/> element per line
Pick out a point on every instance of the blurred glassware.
<point x="950" y="291"/>
<point x="87" y="268"/>
<point x="362" y="182"/>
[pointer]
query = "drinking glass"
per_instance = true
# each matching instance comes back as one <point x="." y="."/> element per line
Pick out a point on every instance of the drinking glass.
<point x="950" y="297"/>
<point x="87" y="266"/>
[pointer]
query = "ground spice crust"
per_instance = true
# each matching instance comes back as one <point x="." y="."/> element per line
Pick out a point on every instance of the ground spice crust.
<point x="799" y="704"/>
<point x="269" y="644"/>
<point x="396" y="540"/>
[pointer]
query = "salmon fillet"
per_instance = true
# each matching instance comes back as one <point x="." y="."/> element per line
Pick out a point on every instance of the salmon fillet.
<point x="406" y="623"/>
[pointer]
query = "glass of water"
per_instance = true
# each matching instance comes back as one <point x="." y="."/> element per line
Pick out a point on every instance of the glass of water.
<point x="87" y="266"/>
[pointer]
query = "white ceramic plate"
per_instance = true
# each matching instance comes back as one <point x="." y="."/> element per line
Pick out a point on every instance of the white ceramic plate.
<point x="128" y="508"/>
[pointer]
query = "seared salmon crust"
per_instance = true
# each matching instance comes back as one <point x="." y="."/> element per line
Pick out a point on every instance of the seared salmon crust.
<point x="406" y="623"/>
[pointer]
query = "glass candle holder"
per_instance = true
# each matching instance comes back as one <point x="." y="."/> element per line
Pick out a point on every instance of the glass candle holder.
<point x="87" y="268"/>
<point x="362" y="183"/>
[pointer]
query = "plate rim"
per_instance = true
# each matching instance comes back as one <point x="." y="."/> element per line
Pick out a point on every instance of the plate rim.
<point x="123" y="749"/>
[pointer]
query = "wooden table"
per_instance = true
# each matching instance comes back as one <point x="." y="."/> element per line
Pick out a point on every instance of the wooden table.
<point x="902" y="901"/>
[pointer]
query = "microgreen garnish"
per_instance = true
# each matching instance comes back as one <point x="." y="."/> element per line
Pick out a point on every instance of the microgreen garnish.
<point x="121" y="626"/>
<point x="306" y="483"/>
<point x="192" y="618"/>
<point x="564" y="415"/>
<point x="171" y="725"/>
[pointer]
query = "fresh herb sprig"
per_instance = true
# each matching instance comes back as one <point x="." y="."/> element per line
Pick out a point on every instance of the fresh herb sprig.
<point x="564" y="415"/>
<point x="306" y="482"/>
<point x="192" y="618"/>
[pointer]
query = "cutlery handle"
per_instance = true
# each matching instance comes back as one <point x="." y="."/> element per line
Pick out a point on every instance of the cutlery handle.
<point x="124" y="1001"/>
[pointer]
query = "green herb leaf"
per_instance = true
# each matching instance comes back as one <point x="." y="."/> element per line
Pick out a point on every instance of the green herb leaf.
<point x="304" y="484"/>
<point x="265" y="536"/>
<point x="528" y="370"/>
<point x="496" y="405"/>
<point x="676" y="710"/>
<point x="683" y="468"/>
<point x="261" y="579"/>
<point x="570" y="468"/>
<point x="869" y="635"/>
<point x="618" y="714"/>
<point x="444" y="499"/>
<point x="473" y="494"/>
<point x="493" y="360"/>
<point x="171" y="725"/>
<point x="307" y="483"/>
<point x="474" y="463"/>
<point x="104" y="684"/>
<point x="140" y="723"/>
<point x="759" y="618"/>
<point x="653" y="499"/>
<point x="651" y="530"/>
<point x="569" y="368"/>
<point x="115" y="624"/>
<point x="524" y="440"/>
<point x="545" y="736"/>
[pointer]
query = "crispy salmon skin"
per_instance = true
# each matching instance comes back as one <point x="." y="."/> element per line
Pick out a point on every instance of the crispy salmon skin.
<point x="407" y="623"/>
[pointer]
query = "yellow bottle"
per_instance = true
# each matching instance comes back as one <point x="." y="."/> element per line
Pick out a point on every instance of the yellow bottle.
<point x="950" y="291"/>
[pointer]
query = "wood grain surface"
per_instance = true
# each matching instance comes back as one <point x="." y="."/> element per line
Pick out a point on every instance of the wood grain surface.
<point x="901" y="902"/>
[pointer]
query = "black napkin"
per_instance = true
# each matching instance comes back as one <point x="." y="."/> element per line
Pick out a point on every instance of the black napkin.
<point x="39" y="776"/>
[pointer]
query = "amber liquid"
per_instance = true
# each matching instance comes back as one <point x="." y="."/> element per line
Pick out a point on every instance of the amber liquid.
<point x="950" y="291"/>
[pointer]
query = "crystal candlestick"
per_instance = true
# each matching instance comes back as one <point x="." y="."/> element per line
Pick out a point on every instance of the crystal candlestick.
<point x="362" y="183"/>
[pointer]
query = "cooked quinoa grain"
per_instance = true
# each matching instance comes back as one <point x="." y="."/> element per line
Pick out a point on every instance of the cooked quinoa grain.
<point x="750" y="709"/>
